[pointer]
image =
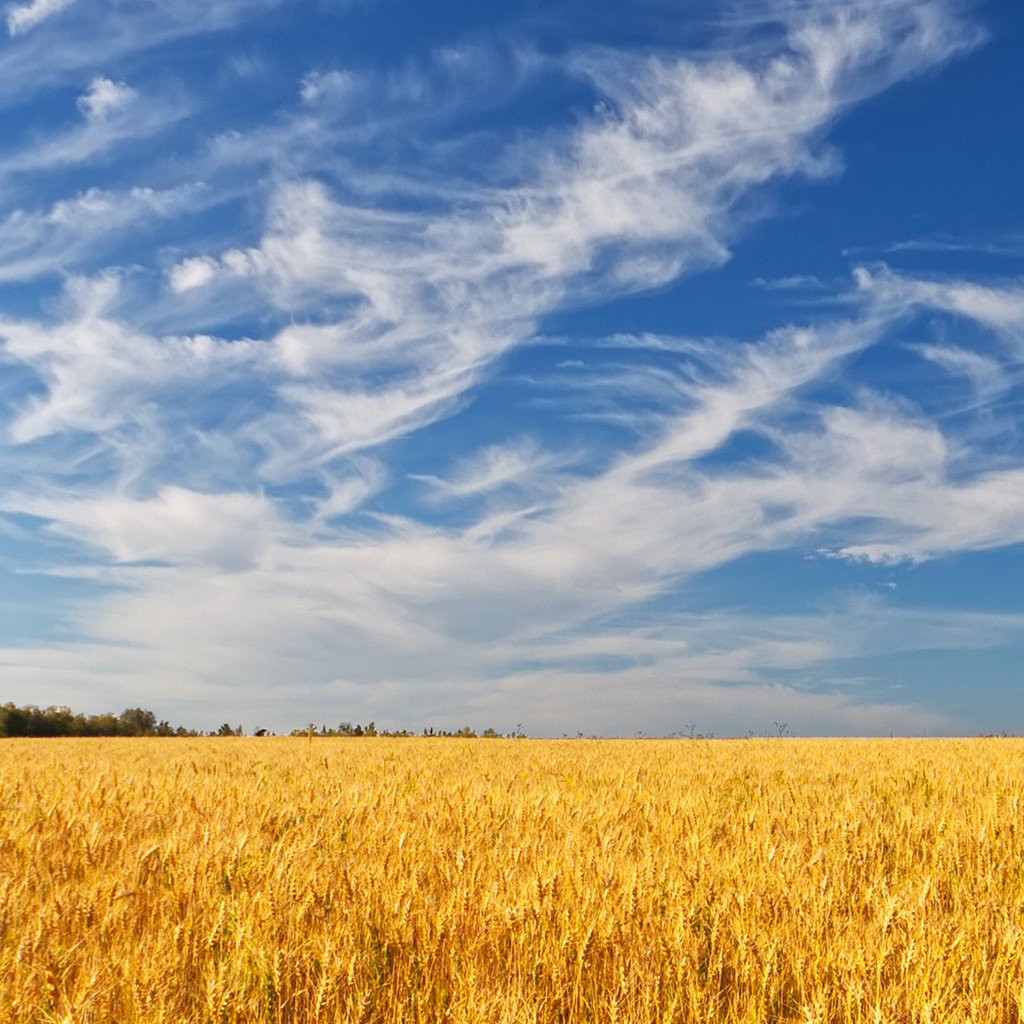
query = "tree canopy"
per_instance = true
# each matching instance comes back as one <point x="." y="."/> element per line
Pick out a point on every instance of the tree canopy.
<point x="62" y="721"/>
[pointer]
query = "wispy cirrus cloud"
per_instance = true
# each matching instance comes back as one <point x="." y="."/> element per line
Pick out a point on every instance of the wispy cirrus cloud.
<point x="634" y="198"/>
<point x="177" y="525"/>
<point x="542" y="581"/>
<point x="100" y="377"/>
<point x="77" y="229"/>
<point x="493" y="470"/>
<point x="89" y="35"/>
<point x="23" y="17"/>
<point x="1000" y="306"/>
<point x="112" y="114"/>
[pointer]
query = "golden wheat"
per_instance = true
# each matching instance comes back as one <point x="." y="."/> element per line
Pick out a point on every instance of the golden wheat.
<point x="382" y="880"/>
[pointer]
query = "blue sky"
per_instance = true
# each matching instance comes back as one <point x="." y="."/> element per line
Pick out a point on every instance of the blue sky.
<point x="589" y="367"/>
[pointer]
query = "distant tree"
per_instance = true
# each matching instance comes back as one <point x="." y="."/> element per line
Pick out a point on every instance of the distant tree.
<point x="137" y="722"/>
<point x="13" y="721"/>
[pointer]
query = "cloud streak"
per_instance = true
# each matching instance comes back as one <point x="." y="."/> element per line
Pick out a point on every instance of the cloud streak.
<point x="24" y="17"/>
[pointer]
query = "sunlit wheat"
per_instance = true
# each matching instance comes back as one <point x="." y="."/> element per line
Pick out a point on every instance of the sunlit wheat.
<point x="387" y="880"/>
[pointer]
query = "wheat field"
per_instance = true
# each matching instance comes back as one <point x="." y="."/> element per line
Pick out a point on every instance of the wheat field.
<point x="282" y="880"/>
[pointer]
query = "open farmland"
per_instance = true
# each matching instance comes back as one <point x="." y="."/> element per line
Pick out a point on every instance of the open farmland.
<point x="511" y="881"/>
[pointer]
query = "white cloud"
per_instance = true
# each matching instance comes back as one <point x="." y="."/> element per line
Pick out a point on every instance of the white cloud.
<point x="795" y="282"/>
<point x="112" y="114"/>
<point x="192" y="273"/>
<point x="329" y="86"/>
<point x="987" y="376"/>
<point x="23" y="17"/>
<point x="77" y="229"/>
<point x="105" y="97"/>
<point x="225" y="532"/>
<point x="876" y="554"/>
<point x="342" y="642"/>
<point x="496" y="468"/>
<point x="99" y="374"/>
<point x="102" y="35"/>
<point x="998" y="307"/>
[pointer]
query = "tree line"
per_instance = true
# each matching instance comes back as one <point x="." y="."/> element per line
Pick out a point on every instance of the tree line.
<point x="348" y="729"/>
<point x="62" y="721"/>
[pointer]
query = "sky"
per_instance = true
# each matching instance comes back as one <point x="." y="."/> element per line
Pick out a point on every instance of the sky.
<point x="567" y="366"/>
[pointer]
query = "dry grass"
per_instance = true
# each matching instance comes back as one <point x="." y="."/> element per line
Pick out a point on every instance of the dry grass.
<point x="500" y="881"/>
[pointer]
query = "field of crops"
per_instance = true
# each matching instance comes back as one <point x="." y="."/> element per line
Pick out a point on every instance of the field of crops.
<point x="283" y="880"/>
